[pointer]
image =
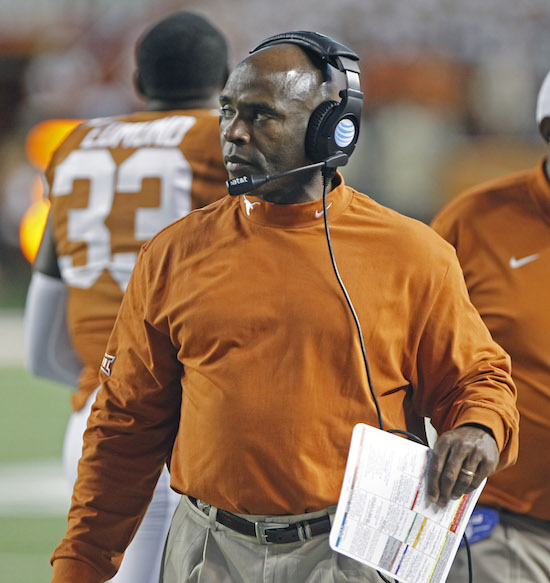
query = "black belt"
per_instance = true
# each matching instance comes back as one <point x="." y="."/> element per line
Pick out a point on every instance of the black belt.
<point x="269" y="532"/>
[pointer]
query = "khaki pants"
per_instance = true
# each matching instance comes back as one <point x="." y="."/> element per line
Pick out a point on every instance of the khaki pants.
<point x="517" y="551"/>
<point x="199" y="550"/>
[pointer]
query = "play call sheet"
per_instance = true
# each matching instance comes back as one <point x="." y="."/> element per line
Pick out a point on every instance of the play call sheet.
<point x="384" y="519"/>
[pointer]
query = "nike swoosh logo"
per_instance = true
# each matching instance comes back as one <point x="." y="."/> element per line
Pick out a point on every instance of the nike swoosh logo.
<point x="516" y="263"/>
<point x="320" y="213"/>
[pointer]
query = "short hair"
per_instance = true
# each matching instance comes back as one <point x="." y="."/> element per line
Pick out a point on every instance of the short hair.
<point x="181" y="56"/>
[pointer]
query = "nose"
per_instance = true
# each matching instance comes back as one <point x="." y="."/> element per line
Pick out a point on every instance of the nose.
<point x="236" y="131"/>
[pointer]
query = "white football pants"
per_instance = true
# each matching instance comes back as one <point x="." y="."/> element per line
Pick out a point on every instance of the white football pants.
<point x="142" y="559"/>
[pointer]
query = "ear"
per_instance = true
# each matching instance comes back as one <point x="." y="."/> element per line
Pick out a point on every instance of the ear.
<point x="138" y="84"/>
<point x="544" y="128"/>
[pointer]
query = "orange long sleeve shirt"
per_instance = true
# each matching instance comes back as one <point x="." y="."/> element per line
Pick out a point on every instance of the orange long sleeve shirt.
<point x="501" y="231"/>
<point x="234" y="353"/>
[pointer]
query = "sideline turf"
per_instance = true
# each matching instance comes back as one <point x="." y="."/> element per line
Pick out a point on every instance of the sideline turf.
<point x="33" y="416"/>
<point x="26" y="544"/>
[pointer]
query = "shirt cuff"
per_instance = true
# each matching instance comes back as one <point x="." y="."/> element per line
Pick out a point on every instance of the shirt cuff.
<point x="71" y="570"/>
<point x="487" y="418"/>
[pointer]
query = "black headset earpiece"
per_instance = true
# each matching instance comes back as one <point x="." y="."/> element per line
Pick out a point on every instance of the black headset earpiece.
<point x="319" y="130"/>
<point x="333" y="126"/>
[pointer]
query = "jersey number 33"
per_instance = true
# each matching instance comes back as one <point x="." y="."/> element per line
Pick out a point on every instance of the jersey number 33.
<point x="107" y="180"/>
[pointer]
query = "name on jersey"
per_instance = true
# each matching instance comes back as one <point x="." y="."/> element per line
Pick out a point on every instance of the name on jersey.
<point x="166" y="132"/>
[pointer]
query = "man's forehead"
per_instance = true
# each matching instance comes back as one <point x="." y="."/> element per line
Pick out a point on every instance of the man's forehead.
<point x="292" y="82"/>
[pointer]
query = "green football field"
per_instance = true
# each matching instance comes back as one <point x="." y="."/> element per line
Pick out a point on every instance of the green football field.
<point x="33" y="496"/>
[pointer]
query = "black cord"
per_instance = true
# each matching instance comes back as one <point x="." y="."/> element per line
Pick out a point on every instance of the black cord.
<point x="327" y="177"/>
<point x="407" y="434"/>
<point x="468" y="557"/>
<point x="326" y="181"/>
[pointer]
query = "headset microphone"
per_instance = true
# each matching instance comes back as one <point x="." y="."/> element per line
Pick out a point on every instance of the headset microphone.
<point x="248" y="182"/>
<point x="244" y="184"/>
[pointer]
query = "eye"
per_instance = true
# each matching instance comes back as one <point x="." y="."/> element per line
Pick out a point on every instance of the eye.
<point x="260" y="116"/>
<point x="226" y="112"/>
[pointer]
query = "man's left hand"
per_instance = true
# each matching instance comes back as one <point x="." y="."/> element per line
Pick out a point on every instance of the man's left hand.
<point x="462" y="458"/>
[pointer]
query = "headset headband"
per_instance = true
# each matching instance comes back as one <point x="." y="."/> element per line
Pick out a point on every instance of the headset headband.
<point x="328" y="49"/>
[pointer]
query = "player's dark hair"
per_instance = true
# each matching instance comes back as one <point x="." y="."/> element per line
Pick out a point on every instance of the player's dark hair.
<point x="180" y="57"/>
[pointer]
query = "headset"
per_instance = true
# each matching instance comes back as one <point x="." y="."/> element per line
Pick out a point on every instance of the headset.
<point x="333" y="128"/>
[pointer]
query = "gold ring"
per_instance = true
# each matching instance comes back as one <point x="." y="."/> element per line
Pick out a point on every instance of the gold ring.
<point x="468" y="472"/>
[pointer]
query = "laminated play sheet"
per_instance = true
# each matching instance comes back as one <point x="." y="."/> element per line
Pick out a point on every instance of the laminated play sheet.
<point x="384" y="518"/>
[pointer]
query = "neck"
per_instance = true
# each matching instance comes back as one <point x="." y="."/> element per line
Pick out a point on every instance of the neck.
<point x="194" y="103"/>
<point x="294" y="189"/>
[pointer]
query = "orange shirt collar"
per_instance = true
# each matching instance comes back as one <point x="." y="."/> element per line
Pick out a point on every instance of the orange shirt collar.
<point x="304" y="214"/>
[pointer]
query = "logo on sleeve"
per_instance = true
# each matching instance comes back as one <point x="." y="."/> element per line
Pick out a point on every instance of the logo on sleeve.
<point x="517" y="263"/>
<point x="106" y="363"/>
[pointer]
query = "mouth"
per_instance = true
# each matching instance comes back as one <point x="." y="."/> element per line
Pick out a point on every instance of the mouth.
<point x="237" y="166"/>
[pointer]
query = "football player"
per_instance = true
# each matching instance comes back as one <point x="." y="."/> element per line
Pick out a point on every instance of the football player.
<point x="114" y="183"/>
<point x="501" y="232"/>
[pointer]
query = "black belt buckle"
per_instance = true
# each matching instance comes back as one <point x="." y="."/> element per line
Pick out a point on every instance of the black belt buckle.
<point x="262" y="530"/>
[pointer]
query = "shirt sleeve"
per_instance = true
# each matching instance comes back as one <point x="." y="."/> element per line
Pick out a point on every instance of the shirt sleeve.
<point x="445" y="226"/>
<point x="129" y="437"/>
<point x="463" y="376"/>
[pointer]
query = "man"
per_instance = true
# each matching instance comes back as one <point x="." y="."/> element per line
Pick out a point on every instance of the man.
<point x="113" y="184"/>
<point x="235" y="357"/>
<point x="501" y="231"/>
